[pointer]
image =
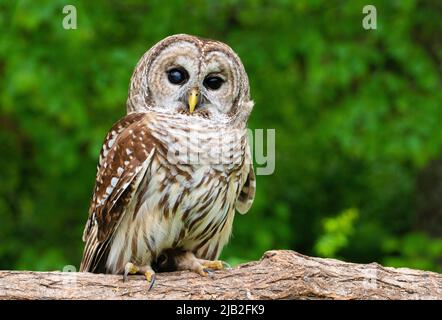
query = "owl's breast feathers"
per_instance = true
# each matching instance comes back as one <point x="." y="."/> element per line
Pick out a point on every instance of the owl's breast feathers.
<point x="133" y="152"/>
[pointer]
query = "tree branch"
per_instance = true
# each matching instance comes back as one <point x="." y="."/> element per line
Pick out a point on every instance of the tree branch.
<point x="278" y="275"/>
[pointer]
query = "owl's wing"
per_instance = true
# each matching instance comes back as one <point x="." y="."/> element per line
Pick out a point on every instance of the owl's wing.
<point x="247" y="193"/>
<point x="125" y="156"/>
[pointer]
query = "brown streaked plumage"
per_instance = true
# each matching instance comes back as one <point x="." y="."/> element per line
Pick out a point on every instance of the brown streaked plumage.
<point x="169" y="178"/>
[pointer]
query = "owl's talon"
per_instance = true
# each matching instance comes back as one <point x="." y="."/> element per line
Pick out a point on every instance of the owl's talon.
<point x="214" y="265"/>
<point x="150" y="277"/>
<point x="209" y="272"/>
<point x="226" y="265"/>
<point x="187" y="260"/>
<point x="129" y="268"/>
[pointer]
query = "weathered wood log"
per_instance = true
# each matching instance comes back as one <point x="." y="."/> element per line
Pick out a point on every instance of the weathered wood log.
<point x="278" y="275"/>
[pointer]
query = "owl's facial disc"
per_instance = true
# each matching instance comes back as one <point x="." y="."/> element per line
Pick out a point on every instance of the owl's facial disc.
<point x="189" y="78"/>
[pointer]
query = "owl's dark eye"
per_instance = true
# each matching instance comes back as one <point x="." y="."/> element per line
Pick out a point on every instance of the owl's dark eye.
<point x="213" y="82"/>
<point x="177" y="76"/>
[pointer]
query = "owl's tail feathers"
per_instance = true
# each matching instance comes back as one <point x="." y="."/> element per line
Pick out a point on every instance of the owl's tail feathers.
<point x="95" y="254"/>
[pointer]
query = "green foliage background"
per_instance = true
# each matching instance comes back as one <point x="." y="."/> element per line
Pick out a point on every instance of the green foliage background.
<point x="357" y="115"/>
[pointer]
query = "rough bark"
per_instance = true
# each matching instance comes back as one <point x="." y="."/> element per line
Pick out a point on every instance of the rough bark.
<point x="278" y="275"/>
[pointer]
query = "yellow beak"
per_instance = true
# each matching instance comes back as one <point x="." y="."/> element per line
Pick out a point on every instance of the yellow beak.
<point x="193" y="99"/>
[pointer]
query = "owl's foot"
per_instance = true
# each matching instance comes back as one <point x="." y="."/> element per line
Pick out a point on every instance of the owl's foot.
<point x="147" y="270"/>
<point x="215" y="264"/>
<point x="188" y="261"/>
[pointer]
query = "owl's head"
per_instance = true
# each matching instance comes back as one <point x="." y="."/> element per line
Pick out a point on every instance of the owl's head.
<point x="192" y="76"/>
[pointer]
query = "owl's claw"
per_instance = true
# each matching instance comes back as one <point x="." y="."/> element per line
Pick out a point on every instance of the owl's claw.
<point x="130" y="268"/>
<point x="209" y="272"/>
<point x="214" y="265"/>
<point x="150" y="277"/>
<point x="188" y="261"/>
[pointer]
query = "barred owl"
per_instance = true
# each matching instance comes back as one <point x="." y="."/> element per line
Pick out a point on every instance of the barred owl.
<point x="174" y="170"/>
